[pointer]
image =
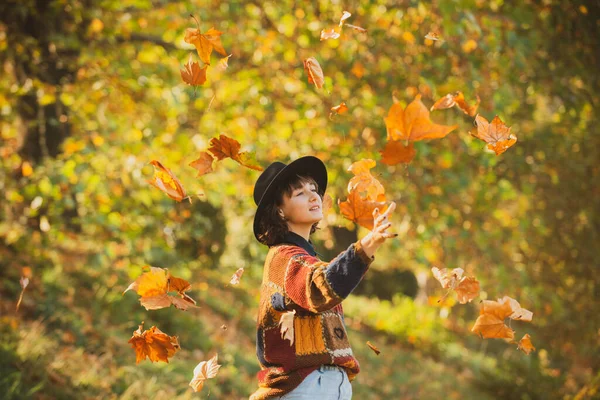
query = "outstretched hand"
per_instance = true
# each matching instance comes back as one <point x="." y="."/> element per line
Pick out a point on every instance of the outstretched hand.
<point x="381" y="223"/>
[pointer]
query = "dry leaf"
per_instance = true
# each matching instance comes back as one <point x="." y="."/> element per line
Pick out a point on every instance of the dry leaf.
<point x="525" y="344"/>
<point x="326" y="204"/>
<point x="235" y="279"/>
<point x="226" y="147"/>
<point x="364" y="182"/>
<point x="448" y="278"/>
<point x="203" y="371"/>
<point x="286" y="326"/>
<point x="153" y="287"/>
<point x="467" y="289"/>
<point x="358" y="210"/>
<point x="456" y="99"/>
<point x="338" y="110"/>
<point x="203" y="164"/>
<point x="165" y="181"/>
<point x="24" y="282"/>
<point x="192" y="74"/>
<point x="372" y="347"/>
<point x="358" y="70"/>
<point x="518" y="313"/>
<point x="413" y="124"/>
<point x="490" y="323"/>
<point x="496" y="134"/>
<point x="205" y="43"/>
<point x="432" y="36"/>
<point x="357" y="28"/>
<point x="223" y="63"/>
<point x="395" y="152"/>
<point x="154" y="344"/>
<point x="332" y="33"/>
<point x="314" y="72"/>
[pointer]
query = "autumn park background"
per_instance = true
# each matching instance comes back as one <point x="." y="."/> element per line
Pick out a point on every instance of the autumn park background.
<point x="91" y="93"/>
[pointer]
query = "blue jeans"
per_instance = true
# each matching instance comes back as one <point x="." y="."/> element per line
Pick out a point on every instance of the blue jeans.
<point x="328" y="382"/>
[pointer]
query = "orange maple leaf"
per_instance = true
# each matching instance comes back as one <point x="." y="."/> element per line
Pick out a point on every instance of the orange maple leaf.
<point x="192" y="74"/>
<point x="359" y="210"/>
<point x="314" y="72"/>
<point x="203" y="371"/>
<point x="153" y="287"/>
<point x="525" y="344"/>
<point x="165" y="181"/>
<point x="338" y="110"/>
<point x="364" y="182"/>
<point x="153" y="344"/>
<point x="496" y="134"/>
<point x="490" y="323"/>
<point x="395" y="152"/>
<point x="203" y="163"/>
<point x="467" y="289"/>
<point x="205" y="42"/>
<point x="226" y="147"/>
<point x="519" y="313"/>
<point x="456" y="99"/>
<point x="413" y="124"/>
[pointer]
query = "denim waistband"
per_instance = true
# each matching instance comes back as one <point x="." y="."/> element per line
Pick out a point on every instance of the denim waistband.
<point x="328" y="367"/>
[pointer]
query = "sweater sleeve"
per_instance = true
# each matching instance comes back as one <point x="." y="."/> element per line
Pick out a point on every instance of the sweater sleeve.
<point x="318" y="286"/>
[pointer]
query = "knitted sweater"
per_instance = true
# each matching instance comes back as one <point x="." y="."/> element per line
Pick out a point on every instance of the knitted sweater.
<point x="295" y="279"/>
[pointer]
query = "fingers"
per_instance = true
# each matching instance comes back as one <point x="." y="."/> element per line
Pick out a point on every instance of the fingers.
<point x="390" y="209"/>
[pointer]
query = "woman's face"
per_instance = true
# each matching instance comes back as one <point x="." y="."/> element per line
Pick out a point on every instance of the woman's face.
<point x="303" y="206"/>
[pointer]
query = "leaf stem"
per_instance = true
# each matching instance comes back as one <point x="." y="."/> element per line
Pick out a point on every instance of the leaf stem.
<point x="197" y="22"/>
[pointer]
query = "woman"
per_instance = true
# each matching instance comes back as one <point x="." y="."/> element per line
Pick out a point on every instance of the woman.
<point x="319" y="363"/>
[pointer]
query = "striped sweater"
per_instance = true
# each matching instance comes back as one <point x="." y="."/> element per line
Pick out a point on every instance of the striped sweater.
<point x="295" y="279"/>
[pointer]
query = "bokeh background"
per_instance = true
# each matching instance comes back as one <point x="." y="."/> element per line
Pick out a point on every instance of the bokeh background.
<point x="90" y="93"/>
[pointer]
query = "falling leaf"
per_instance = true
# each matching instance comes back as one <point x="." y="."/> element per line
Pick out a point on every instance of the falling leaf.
<point x="496" y="134"/>
<point x="203" y="164"/>
<point x="338" y="110"/>
<point x="358" y="210"/>
<point x="165" y="181"/>
<point x="192" y="74"/>
<point x="364" y="182"/>
<point x="467" y="289"/>
<point x="205" y="43"/>
<point x="153" y="287"/>
<point x="286" y="326"/>
<point x="413" y="124"/>
<point x="223" y="63"/>
<point x="235" y="279"/>
<point x="357" y="28"/>
<point x="432" y="36"/>
<point x="395" y="152"/>
<point x="314" y="72"/>
<point x="490" y="323"/>
<point x="332" y="33"/>
<point x="24" y="282"/>
<point x="518" y="313"/>
<point x="153" y="344"/>
<point x="372" y="347"/>
<point x="226" y="147"/>
<point x="456" y="99"/>
<point x="203" y="371"/>
<point x="327" y="204"/>
<point x="448" y="278"/>
<point x="525" y="344"/>
<point x="224" y="327"/>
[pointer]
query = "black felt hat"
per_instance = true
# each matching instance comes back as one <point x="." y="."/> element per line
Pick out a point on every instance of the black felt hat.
<point x="278" y="172"/>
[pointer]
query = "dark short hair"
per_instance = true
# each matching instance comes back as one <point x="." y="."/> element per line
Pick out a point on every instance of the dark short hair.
<point x="273" y="228"/>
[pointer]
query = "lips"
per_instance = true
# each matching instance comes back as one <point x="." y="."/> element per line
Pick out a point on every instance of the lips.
<point x="314" y="208"/>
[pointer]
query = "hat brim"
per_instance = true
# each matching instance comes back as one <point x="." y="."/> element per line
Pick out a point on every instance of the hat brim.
<point x="305" y="166"/>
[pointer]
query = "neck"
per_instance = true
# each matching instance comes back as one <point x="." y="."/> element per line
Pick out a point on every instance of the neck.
<point x="302" y="230"/>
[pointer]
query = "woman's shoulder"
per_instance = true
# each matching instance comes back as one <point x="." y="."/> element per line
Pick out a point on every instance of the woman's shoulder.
<point x="287" y="250"/>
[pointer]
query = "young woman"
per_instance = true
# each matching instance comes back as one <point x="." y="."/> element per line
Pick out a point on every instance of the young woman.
<point x="319" y="364"/>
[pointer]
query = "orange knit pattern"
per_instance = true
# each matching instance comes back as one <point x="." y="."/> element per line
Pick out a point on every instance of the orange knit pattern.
<point x="295" y="280"/>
